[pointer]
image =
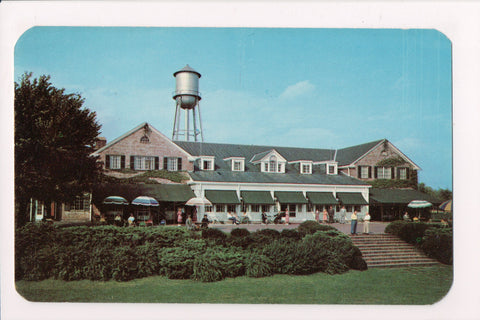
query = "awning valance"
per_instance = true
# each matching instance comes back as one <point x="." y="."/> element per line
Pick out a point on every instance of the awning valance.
<point x="351" y="198"/>
<point x="257" y="197"/>
<point x="169" y="192"/>
<point x="290" y="197"/>
<point x="222" y="196"/>
<point x="321" y="198"/>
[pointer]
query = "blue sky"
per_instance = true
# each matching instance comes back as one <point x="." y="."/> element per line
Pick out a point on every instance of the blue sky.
<point x="318" y="88"/>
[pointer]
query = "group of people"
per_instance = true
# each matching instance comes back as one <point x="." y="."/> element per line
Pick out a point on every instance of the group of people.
<point x="354" y="222"/>
<point x="329" y="215"/>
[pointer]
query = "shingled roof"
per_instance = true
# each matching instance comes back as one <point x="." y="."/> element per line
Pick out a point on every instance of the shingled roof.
<point x="348" y="155"/>
<point x="253" y="174"/>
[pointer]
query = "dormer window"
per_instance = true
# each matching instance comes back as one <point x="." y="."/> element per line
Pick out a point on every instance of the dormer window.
<point x="306" y="167"/>
<point x="332" y="168"/>
<point x="237" y="163"/>
<point x="207" y="163"/>
<point x="270" y="161"/>
<point x="272" y="164"/>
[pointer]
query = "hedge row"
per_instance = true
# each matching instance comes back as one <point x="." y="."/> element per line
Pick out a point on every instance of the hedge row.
<point x="107" y="252"/>
<point x="435" y="239"/>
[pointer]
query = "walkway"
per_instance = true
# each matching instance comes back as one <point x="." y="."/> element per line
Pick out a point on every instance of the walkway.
<point x="375" y="227"/>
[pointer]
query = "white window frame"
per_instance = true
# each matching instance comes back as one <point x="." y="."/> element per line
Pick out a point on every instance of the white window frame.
<point x="115" y="162"/>
<point x="209" y="161"/>
<point x="364" y="172"/>
<point x="220" y="208"/>
<point x="402" y="173"/>
<point x="382" y="173"/>
<point x="334" y="166"/>
<point x="305" y="167"/>
<point x="238" y="165"/>
<point x="172" y="164"/>
<point x="144" y="163"/>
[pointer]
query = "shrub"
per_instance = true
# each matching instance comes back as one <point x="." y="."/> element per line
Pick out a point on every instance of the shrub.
<point x="218" y="263"/>
<point x="291" y="234"/>
<point x="263" y="236"/>
<point x="240" y="232"/>
<point x="176" y="263"/>
<point x="310" y="227"/>
<point x="438" y="244"/>
<point x="124" y="264"/>
<point x="257" y="266"/>
<point x="206" y="270"/>
<point x="214" y="234"/>
<point x="395" y="227"/>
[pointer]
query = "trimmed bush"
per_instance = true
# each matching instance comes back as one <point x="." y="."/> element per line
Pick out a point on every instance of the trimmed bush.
<point x="257" y="266"/>
<point x="214" y="234"/>
<point x="310" y="227"/>
<point x="290" y="234"/>
<point x="240" y="232"/>
<point x="206" y="270"/>
<point x="438" y="244"/>
<point x="395" y="227"/>
<point x="176" y="263"/>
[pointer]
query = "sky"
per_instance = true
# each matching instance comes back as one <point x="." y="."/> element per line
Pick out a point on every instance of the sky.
<point x="313" y="88"/>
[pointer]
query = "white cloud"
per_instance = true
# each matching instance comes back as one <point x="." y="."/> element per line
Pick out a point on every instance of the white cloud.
<point x="297" y="89"/>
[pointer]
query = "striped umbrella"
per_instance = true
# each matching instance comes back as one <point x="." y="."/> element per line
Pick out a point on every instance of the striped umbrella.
<point x="115" y="200"/>
<point x="419" y="204"/>
<point x="145" y="201"/>
<point x="446" y="206"/>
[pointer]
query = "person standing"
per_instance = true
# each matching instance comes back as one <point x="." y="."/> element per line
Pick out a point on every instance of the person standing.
<point x="179" y="216"/>
<point x="343" y="215"/>
<point x="325" y="216"/>
<point x="287" y="217"/>
<point x="353" y="229"/>
<point x="317" y="216"/>
<point x="330" y="214"/>
<point x="366" y="223"/>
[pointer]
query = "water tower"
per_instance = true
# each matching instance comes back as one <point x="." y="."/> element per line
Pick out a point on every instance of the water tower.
<point x="187" y="99"/>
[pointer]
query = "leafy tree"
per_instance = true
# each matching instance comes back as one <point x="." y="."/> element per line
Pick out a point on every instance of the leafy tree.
<point x="54" y="137"/>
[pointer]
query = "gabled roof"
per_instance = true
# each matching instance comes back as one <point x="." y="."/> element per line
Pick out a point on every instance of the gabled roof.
<point x="348" y="155"/>
<point x="139" y="127"/>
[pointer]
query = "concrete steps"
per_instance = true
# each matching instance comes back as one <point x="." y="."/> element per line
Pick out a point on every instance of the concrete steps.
<point x="384" y="250"/>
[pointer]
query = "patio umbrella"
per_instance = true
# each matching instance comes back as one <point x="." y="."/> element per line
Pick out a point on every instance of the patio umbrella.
<point x="198" y="202"/>
<point x="446" y="206"/>
<point x="419" y="204"/>
<point x="145" y="201"/>
<point x="115" y="200"/>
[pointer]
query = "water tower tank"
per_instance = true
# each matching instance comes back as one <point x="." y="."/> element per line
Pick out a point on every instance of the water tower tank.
<point x="186" y="91"/>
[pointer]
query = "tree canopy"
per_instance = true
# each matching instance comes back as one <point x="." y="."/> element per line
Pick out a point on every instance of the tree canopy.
<point x="54" y="137"/>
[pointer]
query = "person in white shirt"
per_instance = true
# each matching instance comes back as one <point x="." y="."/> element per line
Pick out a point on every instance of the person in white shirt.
<point x="354" y="218"/>
<point x="366" y="223"/>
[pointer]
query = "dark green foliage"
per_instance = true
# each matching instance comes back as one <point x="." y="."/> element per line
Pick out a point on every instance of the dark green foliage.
<point x="290" y="233"/>
<point x="116" y="253"/>
<point x="258" y="265"/>
<point x="395" y="226"/>
<point x="438" y="244"/>
<point x="214" y="234"/>
<point x="413" y="232"/>
<point x="240" y="232"/>
<point x="54" y="138"/>
<point x="310" y="227"/>
<point x="176" y="263"/>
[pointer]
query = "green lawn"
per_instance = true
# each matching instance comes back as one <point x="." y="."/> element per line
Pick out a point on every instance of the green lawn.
<point x="419" y="285"/>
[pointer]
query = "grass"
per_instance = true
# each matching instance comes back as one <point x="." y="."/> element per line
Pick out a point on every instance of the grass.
<point x="396" y="286"/>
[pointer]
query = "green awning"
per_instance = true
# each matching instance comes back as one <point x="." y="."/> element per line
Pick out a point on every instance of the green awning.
<point x="257" y="197"/>
<point x="321" y="198"/>
<point x="351" y="198"/>
<point x="399" y="196"/>
<point x="222" y="196"/>
<point x="290" y="197"/>
<point x="169" y="192"/>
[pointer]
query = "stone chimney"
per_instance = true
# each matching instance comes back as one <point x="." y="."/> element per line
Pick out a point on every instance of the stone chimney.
<point x="100" y="143"/>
